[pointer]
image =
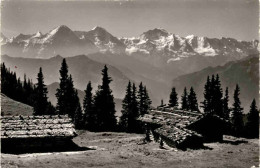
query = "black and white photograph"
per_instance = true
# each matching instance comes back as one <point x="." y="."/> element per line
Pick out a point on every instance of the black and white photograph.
<point x="129" y="83"/>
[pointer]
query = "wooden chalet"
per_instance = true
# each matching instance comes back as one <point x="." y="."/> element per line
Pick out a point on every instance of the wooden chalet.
<point x="20" y="133"/>
<point x="183" y="129"/>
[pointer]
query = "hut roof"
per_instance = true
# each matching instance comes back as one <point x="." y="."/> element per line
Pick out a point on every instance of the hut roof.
<point x="173" y="125"/>
<point x="36" y="126"/>
<point x="180" y="119"/>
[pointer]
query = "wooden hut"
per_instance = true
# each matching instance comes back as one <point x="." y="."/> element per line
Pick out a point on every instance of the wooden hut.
<point x="183" y="129"/>
<point x="35" y="133"/>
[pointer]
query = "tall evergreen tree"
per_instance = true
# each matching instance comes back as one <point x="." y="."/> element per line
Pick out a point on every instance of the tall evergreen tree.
<point x="147" y="101"/>
<point x="237" y="117"/>
<point x="184" y="100"/>
<point x="252" y="125"/>
<point x="192" y="100"/>
<point x="104" y="104"/>
<point x="71" y="97"/>
<point x="141" y="99"/>
<point x="226" y="109"/>
<point x="78" y="113"/>
<point x="134" y="112"/>
<point x="217" y="102"/>
<point x="62" y="96"/>
<point x="89" y="117"/>
<point x="41" y="99"/>
<point x="173" y="102"/>
<point x="66" y="93"/>
<point x="144" y="101"/>
<point x="206" y="104"/>
<point x="126" y="107"/>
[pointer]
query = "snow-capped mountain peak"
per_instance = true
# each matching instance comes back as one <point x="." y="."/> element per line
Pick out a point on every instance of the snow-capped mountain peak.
<point x="37" y="35"/>
<point x="98" y="28"/>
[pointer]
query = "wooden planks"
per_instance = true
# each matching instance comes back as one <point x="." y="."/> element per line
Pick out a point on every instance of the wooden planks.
<point x="36" y="126"/>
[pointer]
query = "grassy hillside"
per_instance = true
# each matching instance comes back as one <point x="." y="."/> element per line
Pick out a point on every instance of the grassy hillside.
<point x="12" y="107"/>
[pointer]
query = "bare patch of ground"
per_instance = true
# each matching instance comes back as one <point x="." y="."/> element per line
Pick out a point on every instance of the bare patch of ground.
<point x="128" y="150"/>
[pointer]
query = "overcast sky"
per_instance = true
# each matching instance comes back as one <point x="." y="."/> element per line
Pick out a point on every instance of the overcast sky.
<point x="212" y="18"/>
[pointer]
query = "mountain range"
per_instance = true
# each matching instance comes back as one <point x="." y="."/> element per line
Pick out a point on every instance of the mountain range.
<point x="156" y="57"/>
<point x="66" y="42"/>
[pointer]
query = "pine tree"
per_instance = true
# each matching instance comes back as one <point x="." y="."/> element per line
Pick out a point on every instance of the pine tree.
<point x="133" y="113"/>
<point x="252" y="125"/>
<point x="61" y="94"/>
<point x="192" y="100"/>
<point x="141" y="99"/>
<point x="144" y="101"/>
<point x="71" y="98"/>
<point x="184" y="100"/>
<point x="173" y="102"/>
<point x="89" y="117"/>
<point x="126" y="107"/>
<point x="206" y="104"/>
<point x="41" y="99"/>
<point x="237" y="113"/>
<point x="66" y="93"/>
<point x="78" y="113"/>
<point x="104" y="104"/>
<point x="217" y="102"/>
<point x="226" y="109"/>
<point x="147" y="101"/>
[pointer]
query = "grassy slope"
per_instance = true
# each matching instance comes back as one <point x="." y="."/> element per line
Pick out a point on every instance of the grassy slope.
<point x="12" y="107"/>
<point x="126" y="150"/>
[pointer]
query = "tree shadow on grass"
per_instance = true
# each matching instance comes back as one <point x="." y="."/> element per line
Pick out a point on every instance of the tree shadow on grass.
<point x="234" y="142"/>
<point x="198" y="148"/>
<point x="68" y="147"/>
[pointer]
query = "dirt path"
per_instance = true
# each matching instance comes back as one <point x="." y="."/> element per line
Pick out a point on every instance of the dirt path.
<point x="127" y="150"/>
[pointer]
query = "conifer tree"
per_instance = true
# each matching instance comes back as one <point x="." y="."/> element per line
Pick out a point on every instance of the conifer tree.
<point x="206" y="104"/>
<point x="147" y="101"/>
<point x="217" y="102"/>
<point x="126" y="107"/>
<point x="252" y="125"/>
<point x="192" y="100"/>
<point x="89" y="117"/>
<point x="184" y="100"/>
<point x="66" y="93"/>
<point x="133" y="113"/>
<point x="226" y="109"/>
<point x="78" y="113"/>
<point x="104" y="104"/>
<point x="237" y="117"/>
<point x="41" y="99"/>
<point x="62" y="96"/>
<point x="71" y="97"/>
<point x="173" y="102"/>
<point x="144" y="101"/>
<point x="141" y="99"/>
